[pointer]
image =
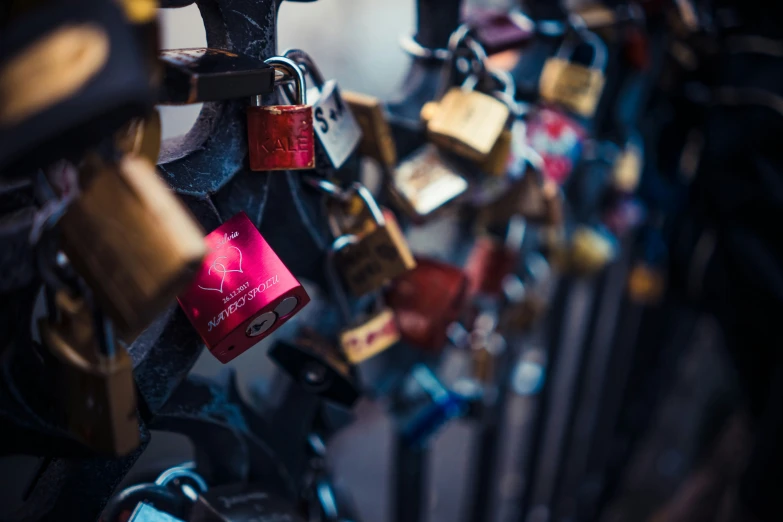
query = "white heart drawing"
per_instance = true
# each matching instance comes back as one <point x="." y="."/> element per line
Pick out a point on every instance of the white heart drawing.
<point x="222" y="270"/>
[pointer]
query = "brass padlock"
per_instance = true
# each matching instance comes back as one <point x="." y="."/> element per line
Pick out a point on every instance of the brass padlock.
<point x="496" y="163"/>
<point x="468" y="123"/>
<point x="627" y="168"/>
<point x="646" y="283"/>
<point x="131" y="239"/>
<point x="372" y="250"/>
<point x="574" y="86"/>
<point x="97" y="389"/>
<point x="591" y="249"/>
<point x="366" y="335"/>
<point x="377" y="141"/>
<point x="465" y="121"/>
<point x="425" y="183"/>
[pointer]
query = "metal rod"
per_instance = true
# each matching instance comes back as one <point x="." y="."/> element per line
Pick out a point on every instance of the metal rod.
<point x="488" y="442"/>
<point x="531" y="446"/>
<point x="436" y="20"/>
<point x="410" y="479"/>
<point x="586" y="400"/>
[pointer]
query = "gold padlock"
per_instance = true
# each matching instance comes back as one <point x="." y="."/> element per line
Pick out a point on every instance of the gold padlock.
<point x="627" y="169"/>
<point x="425" y="183"/>
<point x="646" y="284"/>
<point x="590" y="250"/>
<point x="377" y="252"/>
<point x="496" y="163"/>
<point x="576" y="87"/>
<point x="131" y="239"/>
<point x="364" y="336"/>
<point x="97" y="388"/>
<point x="377" y="140"/>
<point x="370" y="337"/>
<point x="468" y="123"/>
<point x="596" y="16"/>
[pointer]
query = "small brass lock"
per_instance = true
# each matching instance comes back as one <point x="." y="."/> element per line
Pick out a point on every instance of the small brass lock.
<point x="496" y="163"/>
<point x="574" y="86"/>
<point x="468" y="123"/>
<point x="591" y="250"/>
<point x="98" y="393"/>
<point x="425" y="183"/>
<point x="366" y="335"/>
<point x="378" y="251"/>
<point x="465" y="121"/>
<point x="377" y="141"/>
<point x="131" y="239"/>
<point x="627" y="169"/>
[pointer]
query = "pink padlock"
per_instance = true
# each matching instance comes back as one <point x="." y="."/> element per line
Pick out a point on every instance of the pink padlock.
<point x="242" y="293"/>
<point x="558" y="139"/>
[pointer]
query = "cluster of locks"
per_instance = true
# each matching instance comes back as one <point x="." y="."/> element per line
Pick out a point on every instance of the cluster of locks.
<point x="534" y="192"/>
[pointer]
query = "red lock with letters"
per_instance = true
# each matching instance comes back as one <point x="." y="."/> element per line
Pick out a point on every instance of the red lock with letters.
<point x="281" y="137"/>
<point x="242" y="293"/>
<point x="426" y="301"/>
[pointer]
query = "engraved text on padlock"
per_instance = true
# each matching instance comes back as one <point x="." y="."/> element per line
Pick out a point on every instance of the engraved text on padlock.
<point x="242" y="293"/>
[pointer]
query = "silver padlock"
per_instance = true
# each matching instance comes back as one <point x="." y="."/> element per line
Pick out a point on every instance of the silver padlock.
<point x="334" y="123"/>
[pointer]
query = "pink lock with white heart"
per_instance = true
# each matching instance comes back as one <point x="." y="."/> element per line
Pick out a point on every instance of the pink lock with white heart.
<point x="242" y="293"/>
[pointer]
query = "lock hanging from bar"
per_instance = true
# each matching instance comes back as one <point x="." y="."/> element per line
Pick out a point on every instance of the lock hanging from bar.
<point x="574" y="86"/>
<point x="467" y="122"/>
<point x="131" y="239"/>
<point x="281" y="137"/>
<point x="95" y="373"/>
<point x="425" y="184"/>
<point x="379" y="253"/>
<point x="362" y="337"/>
<point x="242" y="291"/>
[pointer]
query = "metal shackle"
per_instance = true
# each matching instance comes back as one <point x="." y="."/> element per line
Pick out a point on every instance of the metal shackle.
<point x="600" y="53"/>
<point x="289" y="68"/>
<point x="333" y="278"/>
<point x="461" y="39"/>
<point x="306" y="62"/>
<point x="369" y="201"/>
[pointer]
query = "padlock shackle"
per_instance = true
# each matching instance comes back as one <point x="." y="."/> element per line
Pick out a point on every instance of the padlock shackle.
<point x="461" y="39"/>
<point x="293" y="71"/>
<point x="302" y="59"/>
<point x="372" y="205"/>
<point x="333" y="278"/>
<point x="327" y="187"/>
<point x="583" y="36"/>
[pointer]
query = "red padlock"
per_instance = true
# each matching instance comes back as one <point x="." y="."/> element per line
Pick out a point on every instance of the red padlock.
<point x="280" y="137"/>
<point x="489" y="262"/>
<point x="242" y="293"/>
<point x="427" y="300"/>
